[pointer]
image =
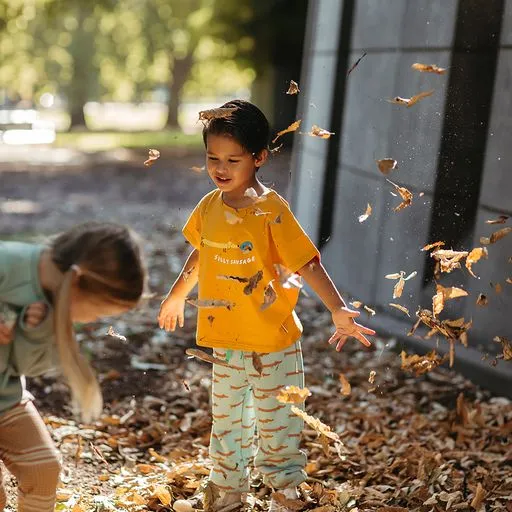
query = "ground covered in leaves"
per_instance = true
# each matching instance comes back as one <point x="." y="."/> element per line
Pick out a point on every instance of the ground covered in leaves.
<point x="428" y="443"/>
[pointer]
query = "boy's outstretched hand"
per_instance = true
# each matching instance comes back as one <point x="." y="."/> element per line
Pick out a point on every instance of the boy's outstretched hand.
<point x="346" y="327"/>
<point x="6" y="333"/>
<point x="171" y="313"/>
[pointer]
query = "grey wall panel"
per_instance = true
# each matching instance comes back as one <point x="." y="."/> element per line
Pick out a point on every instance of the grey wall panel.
<point x="352" y="252"/>
<point x="326" y="33"/>
<point x="506" y="30"/>
<point x="497" y="180"/>
<point x="373" y="22"/>
<point x="428" y="23"/>
<point x="403" y="234"/>
<point x="492" y="320"/>
<point x="368" y="116"/>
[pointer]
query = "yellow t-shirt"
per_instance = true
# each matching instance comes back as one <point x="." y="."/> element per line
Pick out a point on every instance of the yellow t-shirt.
<point x="242" y="254"/>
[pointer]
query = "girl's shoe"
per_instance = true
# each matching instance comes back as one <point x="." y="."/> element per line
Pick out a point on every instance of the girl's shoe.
<point x="276" y="505"/>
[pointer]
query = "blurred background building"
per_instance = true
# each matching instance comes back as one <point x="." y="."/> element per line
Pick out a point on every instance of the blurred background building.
<point x="452" y="148"/>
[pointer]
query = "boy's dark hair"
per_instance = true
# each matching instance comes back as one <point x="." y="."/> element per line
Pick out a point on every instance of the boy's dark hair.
<point x="247" y="125"/>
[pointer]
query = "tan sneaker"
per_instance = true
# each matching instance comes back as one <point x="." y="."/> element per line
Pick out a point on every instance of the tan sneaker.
<point x="283" y="497"/>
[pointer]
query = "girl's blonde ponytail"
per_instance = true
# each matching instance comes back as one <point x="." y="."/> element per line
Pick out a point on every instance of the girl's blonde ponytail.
<point x="85" y="390"/>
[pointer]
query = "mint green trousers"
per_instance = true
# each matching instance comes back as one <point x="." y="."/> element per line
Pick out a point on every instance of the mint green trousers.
<point x="243" y="402"/>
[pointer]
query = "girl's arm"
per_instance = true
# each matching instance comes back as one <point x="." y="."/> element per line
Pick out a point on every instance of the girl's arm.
<point x="172" y="308"/>
<point x="318" y="279"/>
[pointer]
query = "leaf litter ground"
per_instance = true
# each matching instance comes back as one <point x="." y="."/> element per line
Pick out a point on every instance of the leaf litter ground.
<point x="428" y="443"/>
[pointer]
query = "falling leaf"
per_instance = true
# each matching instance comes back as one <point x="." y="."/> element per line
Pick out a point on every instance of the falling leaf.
<point x="356" y="63"/>
<point x="449" y="260"/>
<point x="208" y="358"/>
<point x="431" y="246"/>
<point x="258" y="213"/>
<point x="316" y="131"/>
<point x="366" y="214"/>
<point x="114" y="334"/>
<point x="476" y="254"/>
<point x="293" y="395"/>
<point x="293" y="127"/>
<point x="414" y="273"/>
<point x="497" y="235"/>
<point x="409" y="102"/>
<point x="482" y="300"/>
<point x="401" y="308"/>
<point x="257" y="363"/>
<point x="216" y="113"/>
<point x="293" y="88"/>
<point x="269" y="297"/>
<point x="498" y="288"/>
<point x="398" y="288"/>
<point x="369" y="310"/>
<point x="507" y="347"/>
<point x="197" y="169"/>
<point x="153" y="156"/>
<point x="371" y="376"/>
<point x="386" y="165"/>
<point x="508" y="280"/>
<point x="500" y="220"/>
<point x="428" y="68"/>
<point x="209" y="303"/>
<point x="346" y="389"/>
<point x="405" y="194"/>
<point x="443" y="294"/>
<point x="252" y="194"/>
<point x="420" y="364"/>
<point x="356" y="303"/>
<point x="287" y="278"/>
<point x="316" y="424"/>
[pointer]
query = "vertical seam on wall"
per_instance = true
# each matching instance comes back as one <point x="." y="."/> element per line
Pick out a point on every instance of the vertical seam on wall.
<point x="328" y="197"/>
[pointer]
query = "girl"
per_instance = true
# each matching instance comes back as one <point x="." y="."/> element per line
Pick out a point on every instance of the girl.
<point x="90" y="271"/>
<point x="247" y="244"/>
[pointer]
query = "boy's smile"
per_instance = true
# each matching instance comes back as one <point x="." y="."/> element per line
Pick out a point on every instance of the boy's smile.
<point x="231" y="167"/>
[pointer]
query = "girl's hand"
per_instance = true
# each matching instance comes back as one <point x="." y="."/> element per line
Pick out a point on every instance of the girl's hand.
<point x="6" y="334"/>
<point x="346" y="327"/>
<point x="35" y="314"/>
<point x="171" y="313"/>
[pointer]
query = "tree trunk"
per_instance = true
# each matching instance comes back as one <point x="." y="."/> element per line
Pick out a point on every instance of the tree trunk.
<point x="180" y="73"/>
<point x="82" y="52"/>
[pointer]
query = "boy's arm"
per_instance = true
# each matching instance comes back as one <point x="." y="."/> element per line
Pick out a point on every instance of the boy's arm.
<point x="318" y="279"/>
<point x="188" y="277"/>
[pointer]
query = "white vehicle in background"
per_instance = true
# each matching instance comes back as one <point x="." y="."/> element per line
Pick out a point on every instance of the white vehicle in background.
<point x="23" y="126"/>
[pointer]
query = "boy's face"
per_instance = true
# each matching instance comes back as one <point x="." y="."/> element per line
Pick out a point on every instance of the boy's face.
<point x="230" y="166"/>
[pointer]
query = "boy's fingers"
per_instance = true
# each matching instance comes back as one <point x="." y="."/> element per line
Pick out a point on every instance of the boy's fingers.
<point x="341" y="343"/>
<point x="181" y="320"/>
<point x="366" y="330"/>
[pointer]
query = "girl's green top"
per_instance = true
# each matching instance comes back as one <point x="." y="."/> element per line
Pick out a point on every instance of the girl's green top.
<point x="32" y="351"/>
